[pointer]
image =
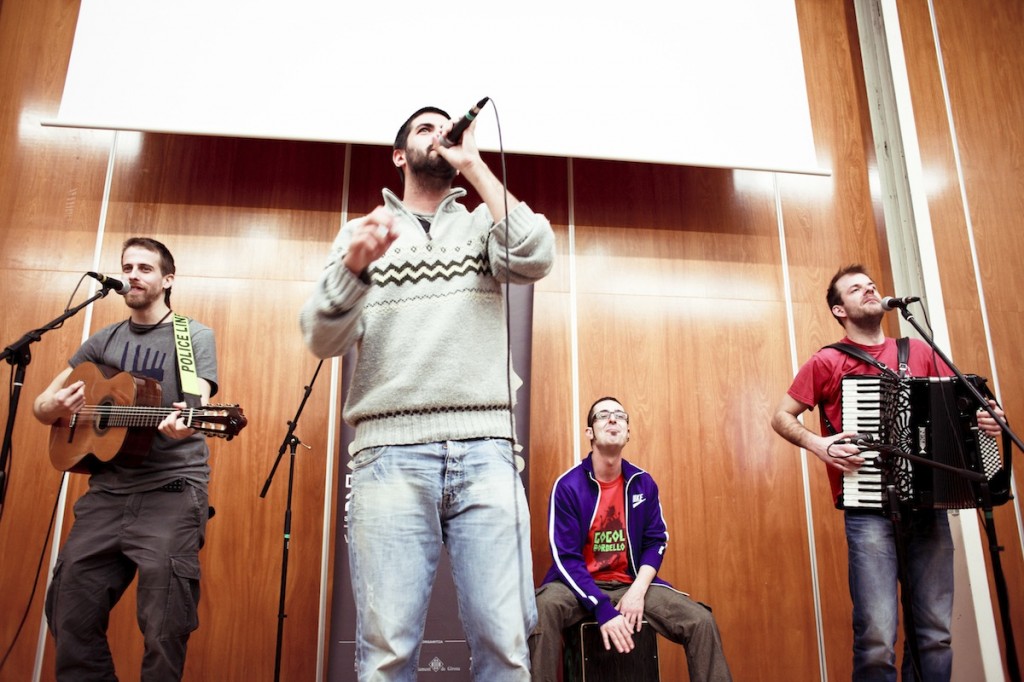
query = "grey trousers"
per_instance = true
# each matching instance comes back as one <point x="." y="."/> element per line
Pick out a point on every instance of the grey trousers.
<point x="671" y="613"/>
<point x="156" y="534"/>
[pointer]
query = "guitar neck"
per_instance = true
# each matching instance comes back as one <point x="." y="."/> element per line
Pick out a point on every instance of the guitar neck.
<point x="133" y="415"/>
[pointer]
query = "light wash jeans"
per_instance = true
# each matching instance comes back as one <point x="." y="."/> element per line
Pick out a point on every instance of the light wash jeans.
<point x="873" y="587"/>
<point x="407" y="500"/>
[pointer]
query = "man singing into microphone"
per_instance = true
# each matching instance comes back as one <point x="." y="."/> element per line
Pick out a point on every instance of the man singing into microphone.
<point x="873" y="571"/>
<point x="417" y="287"/>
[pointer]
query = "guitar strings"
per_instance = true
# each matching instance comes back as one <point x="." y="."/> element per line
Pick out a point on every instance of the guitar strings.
<point x="120" y="415"/>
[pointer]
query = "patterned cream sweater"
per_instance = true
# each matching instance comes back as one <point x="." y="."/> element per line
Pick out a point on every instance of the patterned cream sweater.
<point x="430" y="325"/>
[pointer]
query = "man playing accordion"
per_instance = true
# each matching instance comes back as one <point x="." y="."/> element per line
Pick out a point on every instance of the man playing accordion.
<point x="874" y="570"/>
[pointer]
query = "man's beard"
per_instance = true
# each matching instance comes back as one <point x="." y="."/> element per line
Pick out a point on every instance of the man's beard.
<point x="143" y="301"/>
<point x="866" y="319"/>
<point x="432" y="169"/>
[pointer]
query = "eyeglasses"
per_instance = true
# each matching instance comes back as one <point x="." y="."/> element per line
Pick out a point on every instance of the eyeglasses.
<point x="604" y="415"/>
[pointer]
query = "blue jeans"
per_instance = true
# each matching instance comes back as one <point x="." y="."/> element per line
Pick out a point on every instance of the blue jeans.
<point x="873" y="588"/>
<point x="406" y="501"/>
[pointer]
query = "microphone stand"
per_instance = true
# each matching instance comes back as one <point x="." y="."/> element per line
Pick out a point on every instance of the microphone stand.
<point x="19" y="355"/>
<point x="900" y="531"/>
<point x="291" y="442"/>
<point x="892" y="507"/>
<point x="1002" y="594"/>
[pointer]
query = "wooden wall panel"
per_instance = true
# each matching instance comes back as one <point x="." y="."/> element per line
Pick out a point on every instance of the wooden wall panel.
<point x="987" y="116"/>
<point x="553" y="434"/>
<point x="552" y="431"/>
<point x="50" y="203"/>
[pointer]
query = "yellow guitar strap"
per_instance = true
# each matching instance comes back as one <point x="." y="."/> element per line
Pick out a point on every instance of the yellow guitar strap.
<point x="186" y="358"/>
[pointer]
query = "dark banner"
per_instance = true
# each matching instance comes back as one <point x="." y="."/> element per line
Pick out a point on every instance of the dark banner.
<point x="444" y="656"/>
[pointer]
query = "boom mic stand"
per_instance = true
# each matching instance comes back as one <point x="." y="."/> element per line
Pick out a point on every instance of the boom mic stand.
<point x="19" y="355"/>
<point x="291" y="442"/>
<point x="999" y="577"/>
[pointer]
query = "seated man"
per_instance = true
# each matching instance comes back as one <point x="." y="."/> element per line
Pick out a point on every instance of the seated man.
<point x="608" y="539"/>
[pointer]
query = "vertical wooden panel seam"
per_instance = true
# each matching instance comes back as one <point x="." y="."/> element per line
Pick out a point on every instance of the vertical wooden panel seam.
<point x="332" y="447"/>
<point x="574" y="346"/>
<point x="804" y="472"/>
<point x="328" y="526"/>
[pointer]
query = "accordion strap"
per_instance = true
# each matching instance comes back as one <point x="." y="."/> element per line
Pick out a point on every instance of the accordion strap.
<point x="902" y="355"/>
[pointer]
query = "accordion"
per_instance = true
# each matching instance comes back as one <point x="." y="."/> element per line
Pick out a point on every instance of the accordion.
<point x="934" y="418"/>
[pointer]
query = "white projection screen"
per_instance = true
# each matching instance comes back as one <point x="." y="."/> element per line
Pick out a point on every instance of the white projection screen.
<point x="706" y="83"/>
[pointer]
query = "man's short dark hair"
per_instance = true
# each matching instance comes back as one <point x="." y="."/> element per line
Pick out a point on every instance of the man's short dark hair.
<point x="403" y="133"/>
<point x="166" y="259"/>
<point x="833" y="295"/>
<point x="402" y="138"/>
<point x="590" y="412"/>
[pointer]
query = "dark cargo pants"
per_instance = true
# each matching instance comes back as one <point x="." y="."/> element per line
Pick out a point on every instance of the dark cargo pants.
<point x="156" y="534"/>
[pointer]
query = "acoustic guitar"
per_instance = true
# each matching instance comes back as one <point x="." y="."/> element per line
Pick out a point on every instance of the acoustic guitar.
<point x="120" y="418"/>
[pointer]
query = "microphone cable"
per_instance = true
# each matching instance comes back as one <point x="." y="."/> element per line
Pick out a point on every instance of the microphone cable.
<point x="516" y="477"/>
<point x="507" y="284"/>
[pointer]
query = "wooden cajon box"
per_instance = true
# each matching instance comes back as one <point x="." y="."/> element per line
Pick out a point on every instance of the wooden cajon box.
<point x="585" y="658"/>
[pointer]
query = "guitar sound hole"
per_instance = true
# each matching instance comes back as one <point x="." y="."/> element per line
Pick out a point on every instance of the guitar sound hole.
<point x="103" y="416"/>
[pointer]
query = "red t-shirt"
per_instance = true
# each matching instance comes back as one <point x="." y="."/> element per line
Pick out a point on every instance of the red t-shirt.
<point x="819" y="381"/>
<point x="605" y="551"/>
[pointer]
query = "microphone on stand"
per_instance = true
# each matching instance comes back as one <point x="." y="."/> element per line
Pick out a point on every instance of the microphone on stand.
<point x="115" y="284"/>
<point x="891" y="303"/>
<point x="454" y="135"/>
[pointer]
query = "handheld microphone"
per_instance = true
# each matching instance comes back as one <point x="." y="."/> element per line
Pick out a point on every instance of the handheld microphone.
<point x="454" y="135"/>
<point x="891" y="303"/>
<point x="113" y="283"/>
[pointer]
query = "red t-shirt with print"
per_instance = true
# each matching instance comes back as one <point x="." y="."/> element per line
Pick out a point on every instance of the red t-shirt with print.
<point x="605" y="551"/>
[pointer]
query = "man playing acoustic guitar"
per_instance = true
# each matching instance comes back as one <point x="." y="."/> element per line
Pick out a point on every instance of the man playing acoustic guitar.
<point x="144" y="514"/>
